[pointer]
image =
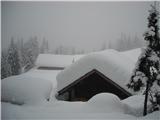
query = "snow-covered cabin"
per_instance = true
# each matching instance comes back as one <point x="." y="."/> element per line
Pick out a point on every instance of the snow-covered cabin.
<point x="55" y="62"/>
<point x="105" y="71"/>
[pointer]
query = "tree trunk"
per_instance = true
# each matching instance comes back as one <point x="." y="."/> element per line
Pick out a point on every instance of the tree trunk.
<point x="146" y="99"/>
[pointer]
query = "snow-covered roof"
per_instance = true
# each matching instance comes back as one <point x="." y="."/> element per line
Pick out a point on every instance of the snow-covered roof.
<point x="132" y="54"/>
<point x="113" y="64"/>
<point x="51" y="60"/>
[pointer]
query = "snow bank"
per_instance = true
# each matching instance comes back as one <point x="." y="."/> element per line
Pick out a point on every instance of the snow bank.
<point x="101" y="106"/>
<point x="134" y="105"/>
<point x="110" y="62"/>
<point x="10" y="111"/>
<point x="65" y="110"/>
<point x="92" y="109"/>
<point x="51" y="60"/>
<point x="107" y="102"/>
<point x="25" y="90"/>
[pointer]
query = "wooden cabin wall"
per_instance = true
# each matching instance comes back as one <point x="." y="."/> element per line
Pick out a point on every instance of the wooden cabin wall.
<point x="92" y="85"/>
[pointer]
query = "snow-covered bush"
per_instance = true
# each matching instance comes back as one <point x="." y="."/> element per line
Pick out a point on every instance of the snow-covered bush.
<point x="13" y="58"/>
<point x="25" y="90"/>
<point x="106" y="102"/>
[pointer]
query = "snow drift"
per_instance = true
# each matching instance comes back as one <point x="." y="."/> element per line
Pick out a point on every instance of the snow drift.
<point x="134" y="105"/>
<point x="25" y="90"/>
<point x="101" y="106"/>
<point x="107" y="102"/>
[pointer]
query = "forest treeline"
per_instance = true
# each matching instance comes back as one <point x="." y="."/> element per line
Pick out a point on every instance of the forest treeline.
<point x="21" y="55"/>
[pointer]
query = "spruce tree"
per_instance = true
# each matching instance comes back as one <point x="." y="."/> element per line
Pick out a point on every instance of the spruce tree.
<point x="13" y="58"/>
<point x="44" y="46"/>
<point x="146" y="76"/>
<point x="31" y="51"/>
<point x="5" y="67"/>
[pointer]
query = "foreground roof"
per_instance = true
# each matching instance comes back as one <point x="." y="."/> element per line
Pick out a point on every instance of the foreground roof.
<point x="117" y="66"/>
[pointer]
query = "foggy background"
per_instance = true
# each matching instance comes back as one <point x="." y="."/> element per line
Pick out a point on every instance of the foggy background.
<point x="84" y="26"/>
<point x="68" y="28"/>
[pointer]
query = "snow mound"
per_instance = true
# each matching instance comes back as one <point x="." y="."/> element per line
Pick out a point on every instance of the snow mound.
<point x="134" y="105"/>
<point x="51" y="60"/>
<point x="25" y="90"/>
<point x="107" y="102"/>
<point x="111" y="63"/>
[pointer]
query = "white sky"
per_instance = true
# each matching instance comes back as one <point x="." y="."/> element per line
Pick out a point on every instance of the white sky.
<point x="85" y="25"/>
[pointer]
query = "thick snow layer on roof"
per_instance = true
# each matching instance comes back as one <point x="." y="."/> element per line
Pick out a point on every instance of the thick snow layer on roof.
<point x="132" y="54"/>
<point x="51" y="60"/>
<point x="111" y="63"/>
<point x="22" y="89"/>
<point x="45" y="75"/>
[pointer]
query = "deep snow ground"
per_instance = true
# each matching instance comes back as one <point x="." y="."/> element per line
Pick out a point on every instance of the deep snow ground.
<point x="112" y="109"/>
<point x="101" y="106"/>
<point x="32" y="89"/>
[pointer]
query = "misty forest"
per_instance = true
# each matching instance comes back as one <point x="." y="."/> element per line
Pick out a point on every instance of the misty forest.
<point x="20" y="56"/>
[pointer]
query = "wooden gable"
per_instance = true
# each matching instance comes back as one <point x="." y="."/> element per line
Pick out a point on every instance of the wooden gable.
<point x="90" y="84"/>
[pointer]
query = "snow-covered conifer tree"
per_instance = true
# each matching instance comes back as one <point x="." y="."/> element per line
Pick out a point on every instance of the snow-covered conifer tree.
<point x="44" y="46"/>
<point x="146" y="75"/>
<point x="31" y="51"/>
<point x="5" y="67"/>
<point x="13" y="58"/>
